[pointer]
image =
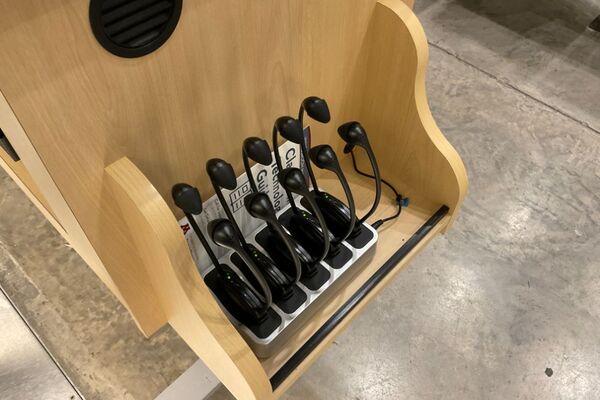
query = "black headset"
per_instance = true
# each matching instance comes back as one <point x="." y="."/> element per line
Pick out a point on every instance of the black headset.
<point x="281" y="283"/>
<point x="354" y="135"/>
<point x="250" y="306"/>
<point x="339" y="217"/>
<point x="286" y="248"/>
<point x="310" y="230"/>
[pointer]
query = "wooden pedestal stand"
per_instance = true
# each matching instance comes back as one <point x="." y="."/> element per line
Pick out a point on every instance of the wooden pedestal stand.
<point x="102" y="139"/>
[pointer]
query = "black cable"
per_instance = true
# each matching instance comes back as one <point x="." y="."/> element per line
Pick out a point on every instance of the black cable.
<point x="400" y="201"/>
<point x="371" y="176"/>
<point x="380" y="222"/>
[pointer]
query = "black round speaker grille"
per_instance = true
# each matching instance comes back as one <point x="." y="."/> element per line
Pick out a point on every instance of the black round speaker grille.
<point x="133" y="28"/>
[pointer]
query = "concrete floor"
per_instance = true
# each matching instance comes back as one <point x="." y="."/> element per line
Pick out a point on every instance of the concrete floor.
<point x="541" y="48"/>
<point x="508" y="297"/>
<point x="84" y="326"/>
<point x="26" y="369"/>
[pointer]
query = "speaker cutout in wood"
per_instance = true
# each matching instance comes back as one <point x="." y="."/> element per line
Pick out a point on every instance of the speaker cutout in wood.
<point x="133" y="28"/>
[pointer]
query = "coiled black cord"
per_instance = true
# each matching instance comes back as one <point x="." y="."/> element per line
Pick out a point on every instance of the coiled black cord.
<point x="400" y="201"/>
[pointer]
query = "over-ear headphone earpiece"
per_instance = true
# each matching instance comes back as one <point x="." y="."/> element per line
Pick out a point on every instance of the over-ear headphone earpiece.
<point x="316" y="108"/>
<point x="258" y="150"/>
<point x="221" y="173"/>
<point x="290" y="129"/>
<point x="354" y="134"/>
<point x="293" y="179"/>
<point x="187" y="198"/>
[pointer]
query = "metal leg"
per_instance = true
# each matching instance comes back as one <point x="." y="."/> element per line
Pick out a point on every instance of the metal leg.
<point x="197" y="383"/>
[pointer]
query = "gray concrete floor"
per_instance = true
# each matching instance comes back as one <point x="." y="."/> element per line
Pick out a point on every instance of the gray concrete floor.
<point x="83" y="325"/>
<point x="540" y="47"/>
<point x="510" y="293"/>
<point x="26" y="369"/>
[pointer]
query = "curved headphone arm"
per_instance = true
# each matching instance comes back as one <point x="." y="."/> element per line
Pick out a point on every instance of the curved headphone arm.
<point x="377" y="176"/>
<point x="304" y="150"/>
<point x="228" y="212"/>
<point x="248" y="170"/>
<point x="351" y="203"/>
<point x="290" y="248"/>
<point x="280" y="168"/>
<point x="317" y="213"/>
<point x="200" y="235"/>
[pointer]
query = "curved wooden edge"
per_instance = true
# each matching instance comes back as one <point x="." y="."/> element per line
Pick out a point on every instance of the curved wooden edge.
<point x="32" y="177"/>
<point x="38" y="183"/>
<point x="455" y="162"/>
<point x="412" y="151"/>
<point x="186" y="300"/>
